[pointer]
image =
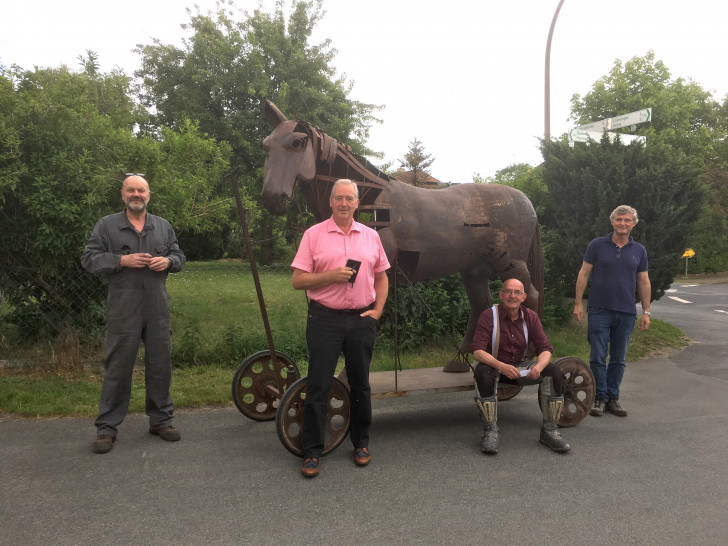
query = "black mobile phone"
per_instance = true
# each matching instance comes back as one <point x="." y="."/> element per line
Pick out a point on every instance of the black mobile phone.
<point x="354" y="264"/>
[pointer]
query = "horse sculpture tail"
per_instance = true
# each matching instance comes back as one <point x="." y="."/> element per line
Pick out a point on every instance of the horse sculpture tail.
<point x="535" y="266"/>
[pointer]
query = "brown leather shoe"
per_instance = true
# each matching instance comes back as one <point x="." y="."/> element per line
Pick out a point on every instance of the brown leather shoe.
<point x="362" y="457"/>
<point x="103" y="443"/>
<point x="310" y="467"/>
<point x="170" y="434"/>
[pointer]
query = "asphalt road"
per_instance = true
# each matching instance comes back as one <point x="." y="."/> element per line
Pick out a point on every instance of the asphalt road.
<point x="658" y="476"/>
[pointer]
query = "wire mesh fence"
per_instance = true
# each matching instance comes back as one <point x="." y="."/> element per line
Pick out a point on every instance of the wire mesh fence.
<point x="216" y="315"/>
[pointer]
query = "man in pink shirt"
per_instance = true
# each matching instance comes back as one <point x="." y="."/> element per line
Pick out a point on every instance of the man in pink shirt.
<point x="345" y="303"/>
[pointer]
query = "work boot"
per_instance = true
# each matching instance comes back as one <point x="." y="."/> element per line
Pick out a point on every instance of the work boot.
<point x="489" y="414"/>
<point x="103" y="443"/>
<point x="550" y="434"/>
<point x="169" y="434"/>
<point x="614" y="407"/>
<point x="598" y="408"/>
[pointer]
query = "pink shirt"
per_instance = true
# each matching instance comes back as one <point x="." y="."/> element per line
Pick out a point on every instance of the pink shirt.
<point x="325" y="247"/>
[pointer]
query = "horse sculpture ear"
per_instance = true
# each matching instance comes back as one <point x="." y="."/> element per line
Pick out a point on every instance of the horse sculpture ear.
<point x="272" y="114"/>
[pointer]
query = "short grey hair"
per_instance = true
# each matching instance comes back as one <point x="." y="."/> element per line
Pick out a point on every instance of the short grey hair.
<point x="341" y="181"/>
<point x="624" y="209"/>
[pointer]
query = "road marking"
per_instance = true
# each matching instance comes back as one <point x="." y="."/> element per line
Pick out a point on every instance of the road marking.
<point x="680" y="300"/>
<point x="721" y="311"/>
<point x="671" y="290"/>
<point x="689" y="285"/>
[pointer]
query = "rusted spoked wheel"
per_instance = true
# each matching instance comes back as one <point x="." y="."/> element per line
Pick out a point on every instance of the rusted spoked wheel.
<point x="579" y="390"/>
<point x="259" y="384"/>
<point x="506" y="391"/>
<point x="289" y="420"/>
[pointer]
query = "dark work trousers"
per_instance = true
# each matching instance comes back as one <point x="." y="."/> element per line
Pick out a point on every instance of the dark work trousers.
<point x="485" y="378"/>
<point x="140" y="320"/>
<point x="328" y="335"/>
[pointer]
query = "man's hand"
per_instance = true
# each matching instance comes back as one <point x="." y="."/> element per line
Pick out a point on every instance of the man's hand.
<point x="341" y="274"/>
<point x="511" y="372"/>
<point x="534" y="373"/>
<point x="578" y="312"/>
<point x="372" y="313"/>
<point x="135" y="261"/>
<point x="645" y="322"/>
<point x="302" y="280"/>
<point x="160" y="263"/>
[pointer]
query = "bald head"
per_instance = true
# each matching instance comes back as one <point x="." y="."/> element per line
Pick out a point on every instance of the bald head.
<point x="135" y="194"/>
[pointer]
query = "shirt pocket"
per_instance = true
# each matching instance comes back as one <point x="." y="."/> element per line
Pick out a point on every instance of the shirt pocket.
<point x="161" y="250"/>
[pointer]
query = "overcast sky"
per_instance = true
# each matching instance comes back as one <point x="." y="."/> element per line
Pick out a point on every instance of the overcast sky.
<point x="465" y="77"/>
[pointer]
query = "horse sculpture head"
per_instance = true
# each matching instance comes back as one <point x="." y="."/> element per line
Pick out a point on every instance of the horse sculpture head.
<point x="289" y="159"/>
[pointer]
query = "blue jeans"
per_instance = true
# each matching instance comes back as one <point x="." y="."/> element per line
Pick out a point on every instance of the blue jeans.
<point x="613" y="329"/>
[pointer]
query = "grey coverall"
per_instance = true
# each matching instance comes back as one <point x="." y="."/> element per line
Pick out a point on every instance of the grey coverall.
<point x="137" y="308"/>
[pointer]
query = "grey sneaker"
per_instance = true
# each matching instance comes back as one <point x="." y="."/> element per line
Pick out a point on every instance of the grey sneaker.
<point x="614" y="407"/>
<point x="598" y="408"/>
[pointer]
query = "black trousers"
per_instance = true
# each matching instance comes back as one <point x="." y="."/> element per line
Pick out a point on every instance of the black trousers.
<point x="485" y="378"/>
<point x="328" y="335"/>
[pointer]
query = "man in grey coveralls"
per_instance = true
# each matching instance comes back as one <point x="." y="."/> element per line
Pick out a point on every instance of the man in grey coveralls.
<point x="135" y="250"/>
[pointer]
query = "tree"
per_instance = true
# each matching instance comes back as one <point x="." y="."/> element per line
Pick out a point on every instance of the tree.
<point x="587" y="182"/>
<point x="223" y="73"/>
<point x="686" y="119"/>
<point x="417" y="163"/>
<point x="65" y="141"/>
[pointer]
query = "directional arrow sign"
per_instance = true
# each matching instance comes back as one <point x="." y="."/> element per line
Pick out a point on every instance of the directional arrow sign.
<point x="597" y="126"/>
<point x="633" y="118"/>
<point x="689" y="253"/>
<point x="617" y="122"/>
<point x="579" y="135"/>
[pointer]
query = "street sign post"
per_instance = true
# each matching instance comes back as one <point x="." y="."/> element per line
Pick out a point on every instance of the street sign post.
<point x="689" y="253"/>
<point x="594" y="130"/>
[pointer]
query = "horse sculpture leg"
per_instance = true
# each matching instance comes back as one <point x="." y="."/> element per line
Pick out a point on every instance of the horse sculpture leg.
<point x="476" y="281"/>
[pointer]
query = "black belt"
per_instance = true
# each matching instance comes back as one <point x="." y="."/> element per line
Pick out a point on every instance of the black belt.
<point x="314" y="305"/>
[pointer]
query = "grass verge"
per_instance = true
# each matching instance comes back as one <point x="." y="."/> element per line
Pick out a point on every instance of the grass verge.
<point x="43" y="394"/>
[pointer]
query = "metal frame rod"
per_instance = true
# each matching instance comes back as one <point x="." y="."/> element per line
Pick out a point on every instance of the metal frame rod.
<point x="253" y="266"/>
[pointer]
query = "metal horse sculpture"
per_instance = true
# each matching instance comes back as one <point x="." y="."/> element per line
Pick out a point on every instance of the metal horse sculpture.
<point x="478" y="230"/>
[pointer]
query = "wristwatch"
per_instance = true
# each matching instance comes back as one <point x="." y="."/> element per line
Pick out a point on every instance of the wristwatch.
<point x="647" y="313"/>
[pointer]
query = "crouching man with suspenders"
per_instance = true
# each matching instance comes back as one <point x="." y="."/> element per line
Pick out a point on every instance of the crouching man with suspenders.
<point x="499" y="348"/>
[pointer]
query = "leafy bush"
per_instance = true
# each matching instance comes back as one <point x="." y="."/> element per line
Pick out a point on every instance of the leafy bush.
<point x="425" y="310"/>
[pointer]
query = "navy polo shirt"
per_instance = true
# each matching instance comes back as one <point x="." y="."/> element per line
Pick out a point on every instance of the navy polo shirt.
<point x="614" y="277"/>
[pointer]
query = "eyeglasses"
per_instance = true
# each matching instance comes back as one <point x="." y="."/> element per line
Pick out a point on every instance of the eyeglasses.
<point x="512" y="292"/>
<point x="127" y="175"/>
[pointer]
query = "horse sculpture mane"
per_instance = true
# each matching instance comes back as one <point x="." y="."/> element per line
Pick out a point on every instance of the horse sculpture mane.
<point x="482" y="231"/>
<point x="333" y="162"/>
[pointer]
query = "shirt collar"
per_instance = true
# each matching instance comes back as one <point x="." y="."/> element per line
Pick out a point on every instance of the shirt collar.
<point x="503" y="314"/>
<point x="331" y="226"/>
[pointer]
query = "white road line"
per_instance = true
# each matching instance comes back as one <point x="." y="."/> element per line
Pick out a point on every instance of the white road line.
<point x="671" y="290"/>
<point x="721" y="311"/>
<point x="680" y="300"/>
<point x="689" y="285"/>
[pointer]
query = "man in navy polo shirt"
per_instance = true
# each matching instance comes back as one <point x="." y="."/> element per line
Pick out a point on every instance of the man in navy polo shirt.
<point x="617" y="265"/>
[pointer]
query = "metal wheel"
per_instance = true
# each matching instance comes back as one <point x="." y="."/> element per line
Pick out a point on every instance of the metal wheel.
<point x="258" y="384"/>
<point x="579" y="390"/>
<point x="289" y="420"/>
<point x="506" y="391"/>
